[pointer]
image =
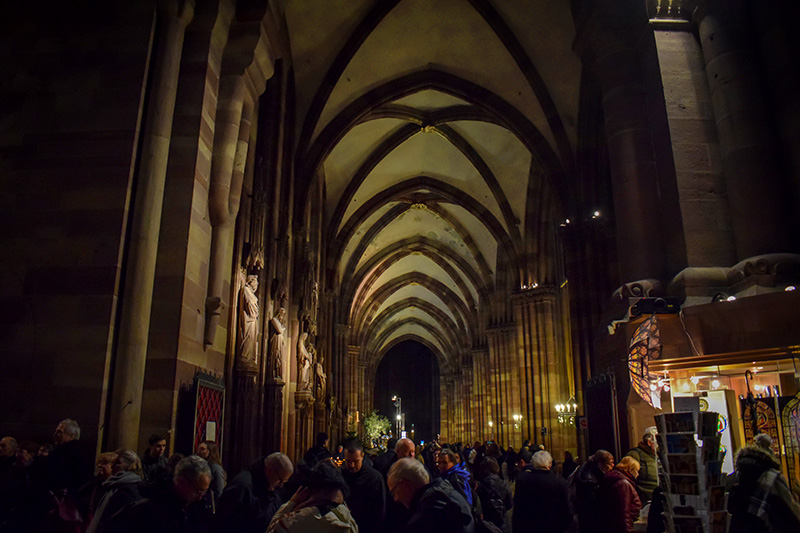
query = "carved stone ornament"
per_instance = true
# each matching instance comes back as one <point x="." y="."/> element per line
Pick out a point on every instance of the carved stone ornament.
<point x="643" y="288"/>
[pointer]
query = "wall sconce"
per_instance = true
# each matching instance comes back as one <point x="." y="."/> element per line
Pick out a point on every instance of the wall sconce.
<point x="517" y="420"/>
<point x="567" y="412"/>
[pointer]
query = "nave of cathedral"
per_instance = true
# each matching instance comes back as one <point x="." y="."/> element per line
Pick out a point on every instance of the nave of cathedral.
<point x="220" y="216"/>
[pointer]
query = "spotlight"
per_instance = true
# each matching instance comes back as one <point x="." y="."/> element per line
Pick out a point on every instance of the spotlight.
<point x="790" y="288"/>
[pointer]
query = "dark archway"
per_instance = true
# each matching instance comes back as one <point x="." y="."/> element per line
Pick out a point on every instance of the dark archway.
<point x="410" y="371"/>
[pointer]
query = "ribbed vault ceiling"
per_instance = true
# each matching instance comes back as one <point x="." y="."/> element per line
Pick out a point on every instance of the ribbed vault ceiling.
<point x="431" y="124"/>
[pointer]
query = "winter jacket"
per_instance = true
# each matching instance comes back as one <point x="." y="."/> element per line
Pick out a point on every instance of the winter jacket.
<point x="333" y="518"/>
<point x="121" y="490"/>
<point x="541" y="502"/>
<point x="367" y="499"/>
<point x="316" y="454"/>
<point x="585" y="494"/>
<point x="154" y="467"/>
<point x="619" y="502"/>
<point x="438" y="508"/>
<point x="458" y="477"/>
<point x="247" y="505"/>
<point x="760" y="500"/>
<point x="496" y="500"/>
<point x="648" y="472"/>
<point x="165" y="512"/>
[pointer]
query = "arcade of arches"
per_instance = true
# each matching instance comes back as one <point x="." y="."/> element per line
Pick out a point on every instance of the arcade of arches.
<point x="218" y="216"/>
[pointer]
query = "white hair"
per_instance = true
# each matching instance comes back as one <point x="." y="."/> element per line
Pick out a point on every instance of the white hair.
<point x="279" y="461"/>
<point x="542" y="459"/>
<point x="411" y="470"/>
<point x="71" y="428"/>
<point x="192" y="467"/>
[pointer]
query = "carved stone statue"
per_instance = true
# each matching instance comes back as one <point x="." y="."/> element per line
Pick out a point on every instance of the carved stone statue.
<point x="305" y="357"/>
<point x="320" y="380"/>
<point x="248" y="323"/>
<point x="277" y="328"/>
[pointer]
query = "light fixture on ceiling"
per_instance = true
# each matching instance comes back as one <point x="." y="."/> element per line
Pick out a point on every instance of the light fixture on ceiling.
<point x="596" y="214"/>
<point x="790" y="288"/>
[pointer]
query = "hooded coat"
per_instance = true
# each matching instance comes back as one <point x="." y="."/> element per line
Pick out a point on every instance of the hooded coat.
<point x="334" y="519"/>
<point x="459" y="479"/>
<point x="760" y="500"/>
<point x="439" y="508"/>
<point x="121" y="490"/>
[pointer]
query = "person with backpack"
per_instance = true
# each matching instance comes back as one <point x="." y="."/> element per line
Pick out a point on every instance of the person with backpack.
<point x="494" y="494"/>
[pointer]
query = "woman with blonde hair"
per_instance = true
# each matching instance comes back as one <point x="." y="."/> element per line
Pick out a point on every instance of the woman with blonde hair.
<point x="619" y="502"/>
<point x="209" y="451"/>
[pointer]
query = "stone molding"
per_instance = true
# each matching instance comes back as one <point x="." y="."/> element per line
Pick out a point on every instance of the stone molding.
<point x="538" y="293"/>
<point x="757" y="274"/>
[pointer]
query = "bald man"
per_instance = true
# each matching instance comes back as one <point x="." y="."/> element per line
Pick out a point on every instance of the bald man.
<point x="405" y="448"/>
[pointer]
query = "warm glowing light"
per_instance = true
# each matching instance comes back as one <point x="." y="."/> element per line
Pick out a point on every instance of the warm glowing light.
<point x="694" y="379"/>
<point x="790" y="288"/>
<point x="715" y="383"/>
<point x="730" y="298"/>
<point x="398" y="417"/>
<point x="757" y="387"/>
<point x="596" y="214"/>
<point x="491" y="423"/>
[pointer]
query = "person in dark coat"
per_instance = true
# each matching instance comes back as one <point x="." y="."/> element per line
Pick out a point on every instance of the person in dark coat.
<point x="384" y="461"/>
<point x="154" y="460"/>
<point x="494" y="493"/>
<point x="120" y="490"/>
<point x="760" y="499"/>
<point x="367" y="499"/>
<point x="434" y="506"/>
<point x="249" y="502"/>
<point x="541" y="499"/>
<point x="177" y="508"/>
<point x="618" y="499"/>
<point x="586" y="483"/>
<point x="318" y="452"/>
<point x="568" y="466"/>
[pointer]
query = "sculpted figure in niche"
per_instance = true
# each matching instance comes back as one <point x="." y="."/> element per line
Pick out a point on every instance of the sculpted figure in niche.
<point x="305" y="357"/>
<point x="248" y="322"/>
<point x="277" y="328"/>
<point x="320" y="379"/>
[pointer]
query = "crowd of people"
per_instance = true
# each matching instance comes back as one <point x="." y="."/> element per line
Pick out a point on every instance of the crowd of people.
<point x="437" y="488"/>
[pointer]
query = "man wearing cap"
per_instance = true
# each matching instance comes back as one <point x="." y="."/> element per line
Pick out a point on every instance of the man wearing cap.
<point x="645" y="453"/>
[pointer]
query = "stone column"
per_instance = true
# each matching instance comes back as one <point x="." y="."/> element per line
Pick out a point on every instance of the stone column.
<point x="542" y="347"/>
<point x="756" y="184"/>
<point x="616" y="44"/>
<point x="131" y="357"/>
<point x="482" y="409"/>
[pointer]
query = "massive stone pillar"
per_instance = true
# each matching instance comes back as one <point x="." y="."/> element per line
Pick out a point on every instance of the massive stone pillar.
<point x="546" y="365"/>
<point x="757" y="185"/>
<point x="131" y="357"/>
<point x="616" y="45"/>
<point x="505" y="385"/>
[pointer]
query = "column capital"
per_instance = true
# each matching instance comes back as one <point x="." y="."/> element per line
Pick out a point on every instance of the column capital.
<point x="536" y="294"/>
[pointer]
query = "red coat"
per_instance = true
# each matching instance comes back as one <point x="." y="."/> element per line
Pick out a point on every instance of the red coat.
<point x="619" y="502"/>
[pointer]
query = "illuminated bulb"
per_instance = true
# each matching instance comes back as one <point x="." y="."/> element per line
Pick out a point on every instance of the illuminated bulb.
<point x="715" y="383"/>
<point x="730" y="298"/>
<point x="491" y="423"/>
<point x="757" y="387"/>
<point x="694" y="379"/>
<point x="596" y="214"/>
<point x="790" y="288"/>
<point x="574" y="406"/>
<point x="567" y="221"/>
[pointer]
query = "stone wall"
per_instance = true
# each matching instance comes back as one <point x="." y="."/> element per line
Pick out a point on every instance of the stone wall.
<point x="73" y="84"/>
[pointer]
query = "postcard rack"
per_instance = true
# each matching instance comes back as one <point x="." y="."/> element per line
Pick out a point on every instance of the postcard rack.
<point x="691" y="477"/>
